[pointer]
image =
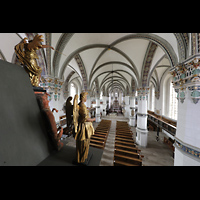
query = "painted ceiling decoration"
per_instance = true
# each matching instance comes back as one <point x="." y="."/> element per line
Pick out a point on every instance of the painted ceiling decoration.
<point x="48" y="52"/>
<point x="104" y="61"/>
<point x="147" y="62"/>
<point x="82" y="70"/>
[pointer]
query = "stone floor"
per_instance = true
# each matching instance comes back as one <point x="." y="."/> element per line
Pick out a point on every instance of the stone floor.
<point x="155" y="154"/>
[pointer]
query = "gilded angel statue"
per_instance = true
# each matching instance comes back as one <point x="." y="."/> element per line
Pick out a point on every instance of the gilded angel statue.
<point x="83" y="129"/>
<point x="75" y="112"/>
<point x="26" y="53"/>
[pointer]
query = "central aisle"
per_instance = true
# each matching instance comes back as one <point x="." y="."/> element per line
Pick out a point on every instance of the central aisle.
<point x="108" y="153"/>
<point x="155" y="154"/>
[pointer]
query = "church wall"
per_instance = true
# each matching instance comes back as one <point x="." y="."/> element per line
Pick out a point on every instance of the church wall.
<point x="188" y="129"/>
<point x="183" y="159"/>
<point x="7" y="43"/>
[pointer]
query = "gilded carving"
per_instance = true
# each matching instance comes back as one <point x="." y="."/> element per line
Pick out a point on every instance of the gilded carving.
<point x="26" y="54"/>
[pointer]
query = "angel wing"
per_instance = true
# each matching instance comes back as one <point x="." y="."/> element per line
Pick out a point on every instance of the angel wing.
<point x="35" y="43"/>
<point x="19" y="50"/>
<point x="75" y="112"/>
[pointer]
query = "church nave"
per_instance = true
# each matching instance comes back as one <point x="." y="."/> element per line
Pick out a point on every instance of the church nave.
<point x="149" y="80"/>
<point x="156" y="153"/>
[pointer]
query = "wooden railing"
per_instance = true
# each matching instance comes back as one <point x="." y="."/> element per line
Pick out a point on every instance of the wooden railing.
<point x="163" y="123"/>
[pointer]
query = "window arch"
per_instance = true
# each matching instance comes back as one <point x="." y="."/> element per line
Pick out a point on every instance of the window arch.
<point x="101" y="95"/>
<point x="151" y="98"/>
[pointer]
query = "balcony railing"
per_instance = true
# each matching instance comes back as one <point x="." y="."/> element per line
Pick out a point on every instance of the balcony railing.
<point x="162" y="124"/>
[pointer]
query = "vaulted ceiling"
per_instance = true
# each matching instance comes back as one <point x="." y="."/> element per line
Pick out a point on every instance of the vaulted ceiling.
<point x="105" y="60"/>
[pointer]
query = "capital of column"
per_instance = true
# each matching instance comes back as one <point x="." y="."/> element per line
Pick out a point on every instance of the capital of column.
<point x="186" y="76"/>
<point x="52" y="85"/>
<point x="143" y="93"/>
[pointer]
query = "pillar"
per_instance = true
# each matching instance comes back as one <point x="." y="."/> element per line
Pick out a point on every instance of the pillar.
<point x="132" y="111"/>
<point x="186" y="81"/>
<point x="127" y="106"/>
<point x="141" y="130"/>
<point x="98" y="119"/>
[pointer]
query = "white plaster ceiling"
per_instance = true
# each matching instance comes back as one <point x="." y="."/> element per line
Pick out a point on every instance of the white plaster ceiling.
<point x="127" y="49"/>
<point x="135" y="49"/>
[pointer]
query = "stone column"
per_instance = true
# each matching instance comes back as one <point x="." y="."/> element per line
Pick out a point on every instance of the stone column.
<point x="186" y="81"/>
<point x="98" y="109"/>
<point x="132" y="111"/>
<point x="127" y="106"/>
<point x="141" y="130"/>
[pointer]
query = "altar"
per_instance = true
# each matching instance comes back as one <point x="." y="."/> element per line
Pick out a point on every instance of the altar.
<point x="116" y="107"/>
<point x="115" y="104"/>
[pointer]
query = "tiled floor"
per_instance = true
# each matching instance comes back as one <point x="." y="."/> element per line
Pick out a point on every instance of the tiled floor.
<point x="155" y="154"/>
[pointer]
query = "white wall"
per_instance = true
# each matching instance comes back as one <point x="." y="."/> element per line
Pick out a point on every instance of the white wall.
<point x="183" y="159"/>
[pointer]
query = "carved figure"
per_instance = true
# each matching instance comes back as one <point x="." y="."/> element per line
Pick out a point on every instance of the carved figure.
<point x="75" y="113"/>
<point x="50" y="124"/>
<point x="132" y="113"/>
<point x="69" y="112"/>
<point x="26" y="53"/>
<point x="83" y="128"/>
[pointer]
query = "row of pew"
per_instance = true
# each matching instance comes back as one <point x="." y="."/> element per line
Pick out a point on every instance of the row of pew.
<point x="126" y="153"/>
<point x="99" y="138"/>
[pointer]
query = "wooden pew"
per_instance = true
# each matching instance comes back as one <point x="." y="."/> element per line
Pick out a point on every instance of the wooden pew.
<point x="126" y="152"/>
<point x="99" y="138"/>
<point x="127" y="148"/>
<point x="129" y="144"/>
<point x="100" y="135"/>
<point x="127" y="159"/>
<point x="124" y="139"/>
<point x="124" y="135"/>
<point x="101" y="132"/>
<point x="97" y="141"/>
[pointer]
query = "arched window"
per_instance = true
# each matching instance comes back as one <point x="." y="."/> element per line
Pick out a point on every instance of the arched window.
<point x="72" y="90"/>
<point x="173" y="106"/>
<point x="153" y="98"/>
<point x="101" y="95"/>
